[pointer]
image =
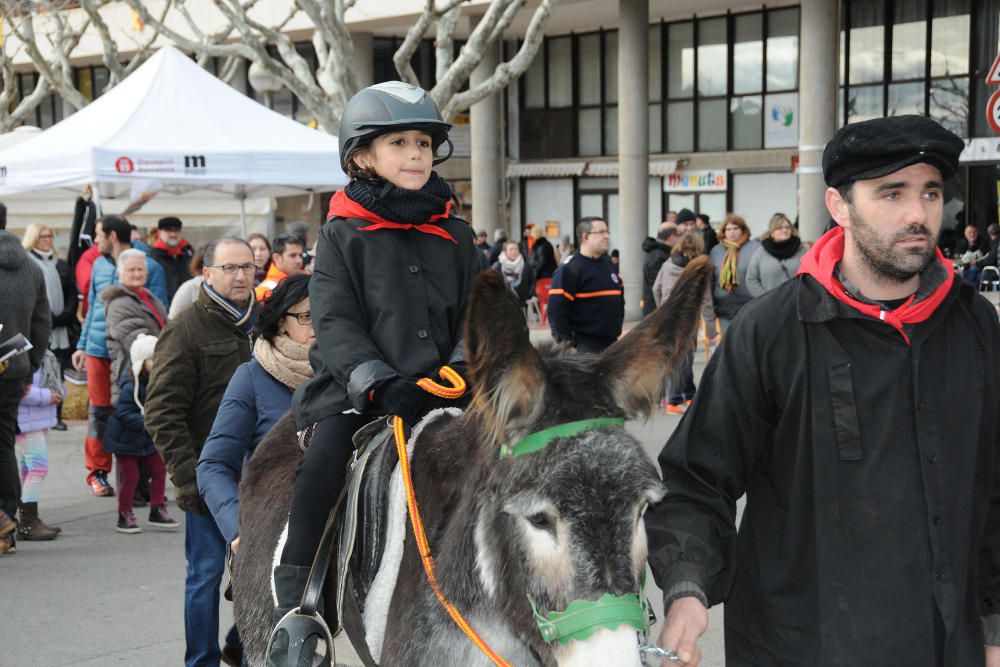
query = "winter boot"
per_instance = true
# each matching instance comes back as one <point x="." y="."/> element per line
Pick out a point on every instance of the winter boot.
<point x="55" y="529"/>
<point x="32" y="529"/>
<point x="7" y="524"/>
<point x="289" y="584"/>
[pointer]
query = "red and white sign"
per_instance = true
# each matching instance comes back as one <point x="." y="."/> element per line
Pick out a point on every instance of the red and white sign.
<point x="993" y="111"/>
<point x="993" y="78"/>
<point x="124" y="165"/>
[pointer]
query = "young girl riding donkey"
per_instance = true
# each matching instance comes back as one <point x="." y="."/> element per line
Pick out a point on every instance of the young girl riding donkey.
<point x="388" y="294"/>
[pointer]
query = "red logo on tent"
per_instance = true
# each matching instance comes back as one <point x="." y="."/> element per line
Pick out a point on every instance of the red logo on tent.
<point x="124" y="165"/>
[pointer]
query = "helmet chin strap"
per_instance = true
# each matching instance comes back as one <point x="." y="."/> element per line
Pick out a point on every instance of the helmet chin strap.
<point x="451" y="149"/>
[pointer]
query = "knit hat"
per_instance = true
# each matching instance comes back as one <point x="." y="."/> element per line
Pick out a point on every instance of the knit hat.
<point x="685" y="215"/>
<point x="142" y="349"/>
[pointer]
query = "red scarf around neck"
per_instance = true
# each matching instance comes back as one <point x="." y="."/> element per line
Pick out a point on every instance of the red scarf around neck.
<point x="172" y="251"/>
<point x="342" y="206"/>
<point x="144" y="296"/>
<point x="821" y="262"/>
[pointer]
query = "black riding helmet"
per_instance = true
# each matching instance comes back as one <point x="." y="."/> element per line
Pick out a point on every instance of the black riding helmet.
<point x="389" y="107"/>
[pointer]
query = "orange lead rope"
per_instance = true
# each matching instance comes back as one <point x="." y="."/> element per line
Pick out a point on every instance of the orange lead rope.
<point x="418" y="525"/>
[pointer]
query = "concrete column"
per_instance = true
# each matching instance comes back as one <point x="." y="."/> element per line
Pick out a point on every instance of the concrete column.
<point x="487" y="158"/>
<point x="633" y="146"/>
<point x="364" y="58"/>
<point x="818" y="43"/>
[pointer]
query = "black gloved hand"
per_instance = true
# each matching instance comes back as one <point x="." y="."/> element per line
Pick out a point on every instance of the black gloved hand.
<point x="402" y="397"/>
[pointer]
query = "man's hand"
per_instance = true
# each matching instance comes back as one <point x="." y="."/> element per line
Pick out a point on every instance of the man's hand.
<point x="686" y="622"/>
<point x="188" y="498"/>
<point x="993" y="656"/>
<point x="79" y="360"/>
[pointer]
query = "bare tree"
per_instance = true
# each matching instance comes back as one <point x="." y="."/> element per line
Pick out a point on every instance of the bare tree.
<point x="325" y="89"/>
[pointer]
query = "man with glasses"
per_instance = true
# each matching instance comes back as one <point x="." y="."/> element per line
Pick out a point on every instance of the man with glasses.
<point x="586" y="302"/>
<point x="196" y="355"/>
<point x="286" y="259"/>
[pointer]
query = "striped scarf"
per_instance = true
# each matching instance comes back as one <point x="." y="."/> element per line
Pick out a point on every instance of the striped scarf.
<point x="729" y="275"/>
<point x="243" y="319"/>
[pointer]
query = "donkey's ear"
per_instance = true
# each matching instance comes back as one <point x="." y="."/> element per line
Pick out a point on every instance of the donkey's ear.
<point x="507" y="376"/>
<point x="638" y="364"/>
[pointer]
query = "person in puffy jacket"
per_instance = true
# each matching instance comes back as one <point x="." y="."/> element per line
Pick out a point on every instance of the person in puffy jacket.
<point x="114" y="234"/>
<point x="388" y="295"/>
<point x="126" y="437"/>
<point x="35" y="416"/>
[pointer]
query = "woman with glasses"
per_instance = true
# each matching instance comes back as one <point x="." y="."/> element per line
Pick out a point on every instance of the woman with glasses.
<point x="259" y="393"/>
<point x="61" y="291"/>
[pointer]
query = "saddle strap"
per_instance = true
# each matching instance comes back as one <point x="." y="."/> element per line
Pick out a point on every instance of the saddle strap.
<point x="321" y="563"/>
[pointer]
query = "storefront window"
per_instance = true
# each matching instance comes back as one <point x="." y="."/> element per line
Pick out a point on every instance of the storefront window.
<point x="949" y="103"/>
<point x="611" y="131"/>
<point x="611" y="66"/>
<point x="680" y="60"/>
<point x="560" y="72"/>
<point x="746" y="121"/>
<point x="713" y="65"/>
<point x="906" y="98"/>
<point x="950" y="38"/>
<point x="864" y="103"/>
<point x="680" y="121"/>
<point x="589" y="83"/>
<point x="909" y="40"/>
<point x="783" y="49"/>
<point x="866" y="61"/>
<point x="748" y="53"/>
<point x="655" y="128"/>
<point x="654" y="80"/>
<point x="712" y="116"/>
<point x="590" y="131"/>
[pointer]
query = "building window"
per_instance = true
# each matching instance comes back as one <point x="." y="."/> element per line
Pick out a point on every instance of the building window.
<point x="48" y="112"/>
<point x="906" y="57"/>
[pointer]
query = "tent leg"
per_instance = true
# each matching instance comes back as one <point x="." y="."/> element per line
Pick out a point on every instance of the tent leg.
<point x="243" y="217"/>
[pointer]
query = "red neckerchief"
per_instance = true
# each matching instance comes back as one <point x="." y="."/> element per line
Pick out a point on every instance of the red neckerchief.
<point x="342" y="206"/>
<point x="172" y="251"/>
<point x="821" y="262"/>
<point x="142" y="294"/>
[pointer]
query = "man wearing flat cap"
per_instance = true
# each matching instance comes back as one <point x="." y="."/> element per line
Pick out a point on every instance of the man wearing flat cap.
<point x="173" y="253"/>
<point x="855" y="407"/>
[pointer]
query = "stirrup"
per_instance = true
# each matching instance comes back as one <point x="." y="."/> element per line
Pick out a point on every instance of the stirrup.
<point x="296" y="629"/>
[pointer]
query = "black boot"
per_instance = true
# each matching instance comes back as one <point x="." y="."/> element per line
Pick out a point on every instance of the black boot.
<point x="289" y="584"/>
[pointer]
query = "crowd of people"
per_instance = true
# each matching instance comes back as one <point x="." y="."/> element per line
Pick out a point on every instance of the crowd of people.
<point x="192" y="355"/>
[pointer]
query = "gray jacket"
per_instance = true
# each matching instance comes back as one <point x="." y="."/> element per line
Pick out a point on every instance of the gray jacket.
<point x="667" y="277"/>
<point x="24" y="307"/>
<point x="727" y="304"/>
<point x="767" y="271"/>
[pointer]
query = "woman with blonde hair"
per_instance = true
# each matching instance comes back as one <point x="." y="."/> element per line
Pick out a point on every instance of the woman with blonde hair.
<point x="690" y="245"/>
<point x="779" y="259"/>
<point x="60" y="288"/>
<point x="731" y="259"/>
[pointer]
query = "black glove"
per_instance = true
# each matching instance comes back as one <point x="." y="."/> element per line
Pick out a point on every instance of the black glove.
<point x="404" y="398"/>
<point x="188" y="498"/>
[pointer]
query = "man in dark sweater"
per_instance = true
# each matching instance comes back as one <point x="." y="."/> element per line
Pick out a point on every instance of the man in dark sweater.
<point x="173" y="253"/>
<point x="586" y="304"/>
<point x="657" y="251"/>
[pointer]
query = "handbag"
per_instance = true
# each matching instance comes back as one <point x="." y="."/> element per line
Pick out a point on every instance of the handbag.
<point x="52" y="374"/>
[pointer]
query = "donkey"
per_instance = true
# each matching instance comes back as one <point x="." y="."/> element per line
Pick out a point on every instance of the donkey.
<point x="512" y="537"/>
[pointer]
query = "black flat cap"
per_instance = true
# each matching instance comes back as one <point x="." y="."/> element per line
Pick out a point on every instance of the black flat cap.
<point x="881" y="146"/>
<point x="169" y="223"/>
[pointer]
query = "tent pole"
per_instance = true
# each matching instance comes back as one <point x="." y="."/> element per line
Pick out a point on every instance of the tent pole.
<point x="243" y="213"/>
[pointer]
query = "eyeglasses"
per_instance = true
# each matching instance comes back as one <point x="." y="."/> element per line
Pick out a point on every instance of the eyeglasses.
<point x="231" y="269"/>
<point x="46" y="236"/>
<point x="305" y="318"/>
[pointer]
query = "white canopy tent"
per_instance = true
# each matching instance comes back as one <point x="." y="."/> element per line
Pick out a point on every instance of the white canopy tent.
<point x="174" y="126"/>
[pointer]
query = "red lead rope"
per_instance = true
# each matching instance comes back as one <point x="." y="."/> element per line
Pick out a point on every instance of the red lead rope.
<point x="414" y="510"/>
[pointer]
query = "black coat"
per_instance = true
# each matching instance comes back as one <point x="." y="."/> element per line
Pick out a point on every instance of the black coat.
<point x="176" y="268"/>
<point x="656" y="254"/>
<point x="386" y="303"/>
<point x="543" y="260"/>
<point x="871" y="474"/>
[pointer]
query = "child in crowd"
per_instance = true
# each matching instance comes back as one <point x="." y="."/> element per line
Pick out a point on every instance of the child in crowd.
<point x="35" y="416"/>
<point x="126" y="438"/>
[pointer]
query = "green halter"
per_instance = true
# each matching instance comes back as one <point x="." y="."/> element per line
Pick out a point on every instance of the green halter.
<point x="540" y="440"/>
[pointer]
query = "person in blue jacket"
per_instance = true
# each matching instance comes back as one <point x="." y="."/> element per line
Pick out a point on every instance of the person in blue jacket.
<point x="114" y="236"/>
<point x="258" y="395"/>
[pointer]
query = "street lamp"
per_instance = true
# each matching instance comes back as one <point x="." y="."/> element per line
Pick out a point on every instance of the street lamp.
<point x="263" y="82"/>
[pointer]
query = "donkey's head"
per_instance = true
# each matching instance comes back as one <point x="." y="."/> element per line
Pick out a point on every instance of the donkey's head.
<point x="563" y="522"/>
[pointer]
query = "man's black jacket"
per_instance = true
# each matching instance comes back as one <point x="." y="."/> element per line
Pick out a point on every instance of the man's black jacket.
<point x="656" y="254"/>
<point x="871" y="534"/>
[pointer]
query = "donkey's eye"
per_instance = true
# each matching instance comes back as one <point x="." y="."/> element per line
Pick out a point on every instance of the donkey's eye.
<point x="541" y="521"/>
